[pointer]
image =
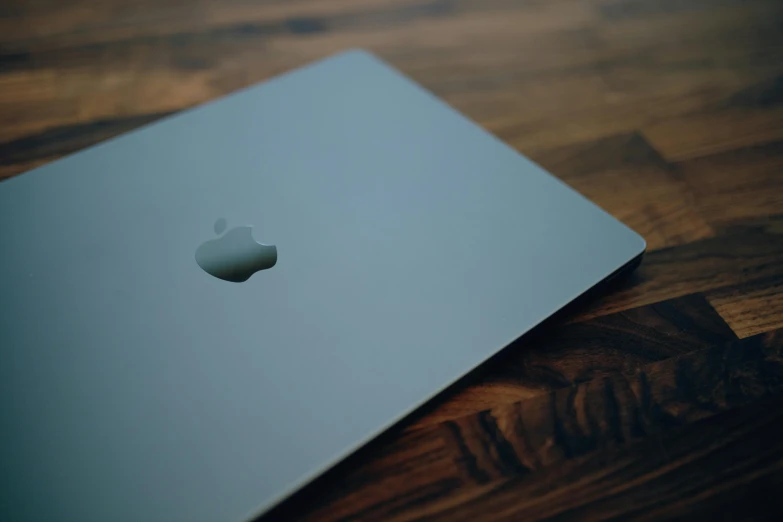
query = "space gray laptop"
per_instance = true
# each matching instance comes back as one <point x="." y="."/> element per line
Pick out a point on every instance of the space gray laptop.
<point x="201" y="316"/>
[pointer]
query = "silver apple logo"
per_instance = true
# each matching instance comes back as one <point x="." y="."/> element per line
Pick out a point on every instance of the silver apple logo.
<point x="235" y="256"/>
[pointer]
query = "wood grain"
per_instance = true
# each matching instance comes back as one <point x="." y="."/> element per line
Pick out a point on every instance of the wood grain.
<point x="565" y="355"/>
<point x="661" y="398"/>
<point x="545" y="435"/>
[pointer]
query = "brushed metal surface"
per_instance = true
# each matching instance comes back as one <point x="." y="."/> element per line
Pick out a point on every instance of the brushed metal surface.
<point x="412" y="245"/>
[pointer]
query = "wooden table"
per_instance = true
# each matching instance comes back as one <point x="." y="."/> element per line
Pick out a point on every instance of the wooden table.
<point x="663" y="398"/>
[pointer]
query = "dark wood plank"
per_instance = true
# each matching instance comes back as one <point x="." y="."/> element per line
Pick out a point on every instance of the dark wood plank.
<point x="727" y="467"/>
<point x="511" y="445"/>
<point x="560" y="356"/>
<point x="716" y="131"/>
<point x="752" y="308"/>
<point x="743" y="184"/>
<point x="617" y="409"/>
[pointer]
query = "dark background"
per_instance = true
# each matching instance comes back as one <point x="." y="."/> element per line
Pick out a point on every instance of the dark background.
<point x="661" y="398"/>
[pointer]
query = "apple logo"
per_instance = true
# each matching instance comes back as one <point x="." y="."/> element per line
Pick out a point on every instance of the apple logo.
<point x="235" y="256"/>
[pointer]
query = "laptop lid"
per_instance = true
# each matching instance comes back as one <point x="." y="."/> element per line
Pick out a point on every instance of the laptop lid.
<point x="394" y="246"/>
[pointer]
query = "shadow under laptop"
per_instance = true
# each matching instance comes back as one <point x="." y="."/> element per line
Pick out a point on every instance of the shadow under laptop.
<point x="337" y="481"/>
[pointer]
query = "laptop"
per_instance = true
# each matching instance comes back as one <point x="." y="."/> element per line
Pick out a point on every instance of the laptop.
<point x="201" y="316"/>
